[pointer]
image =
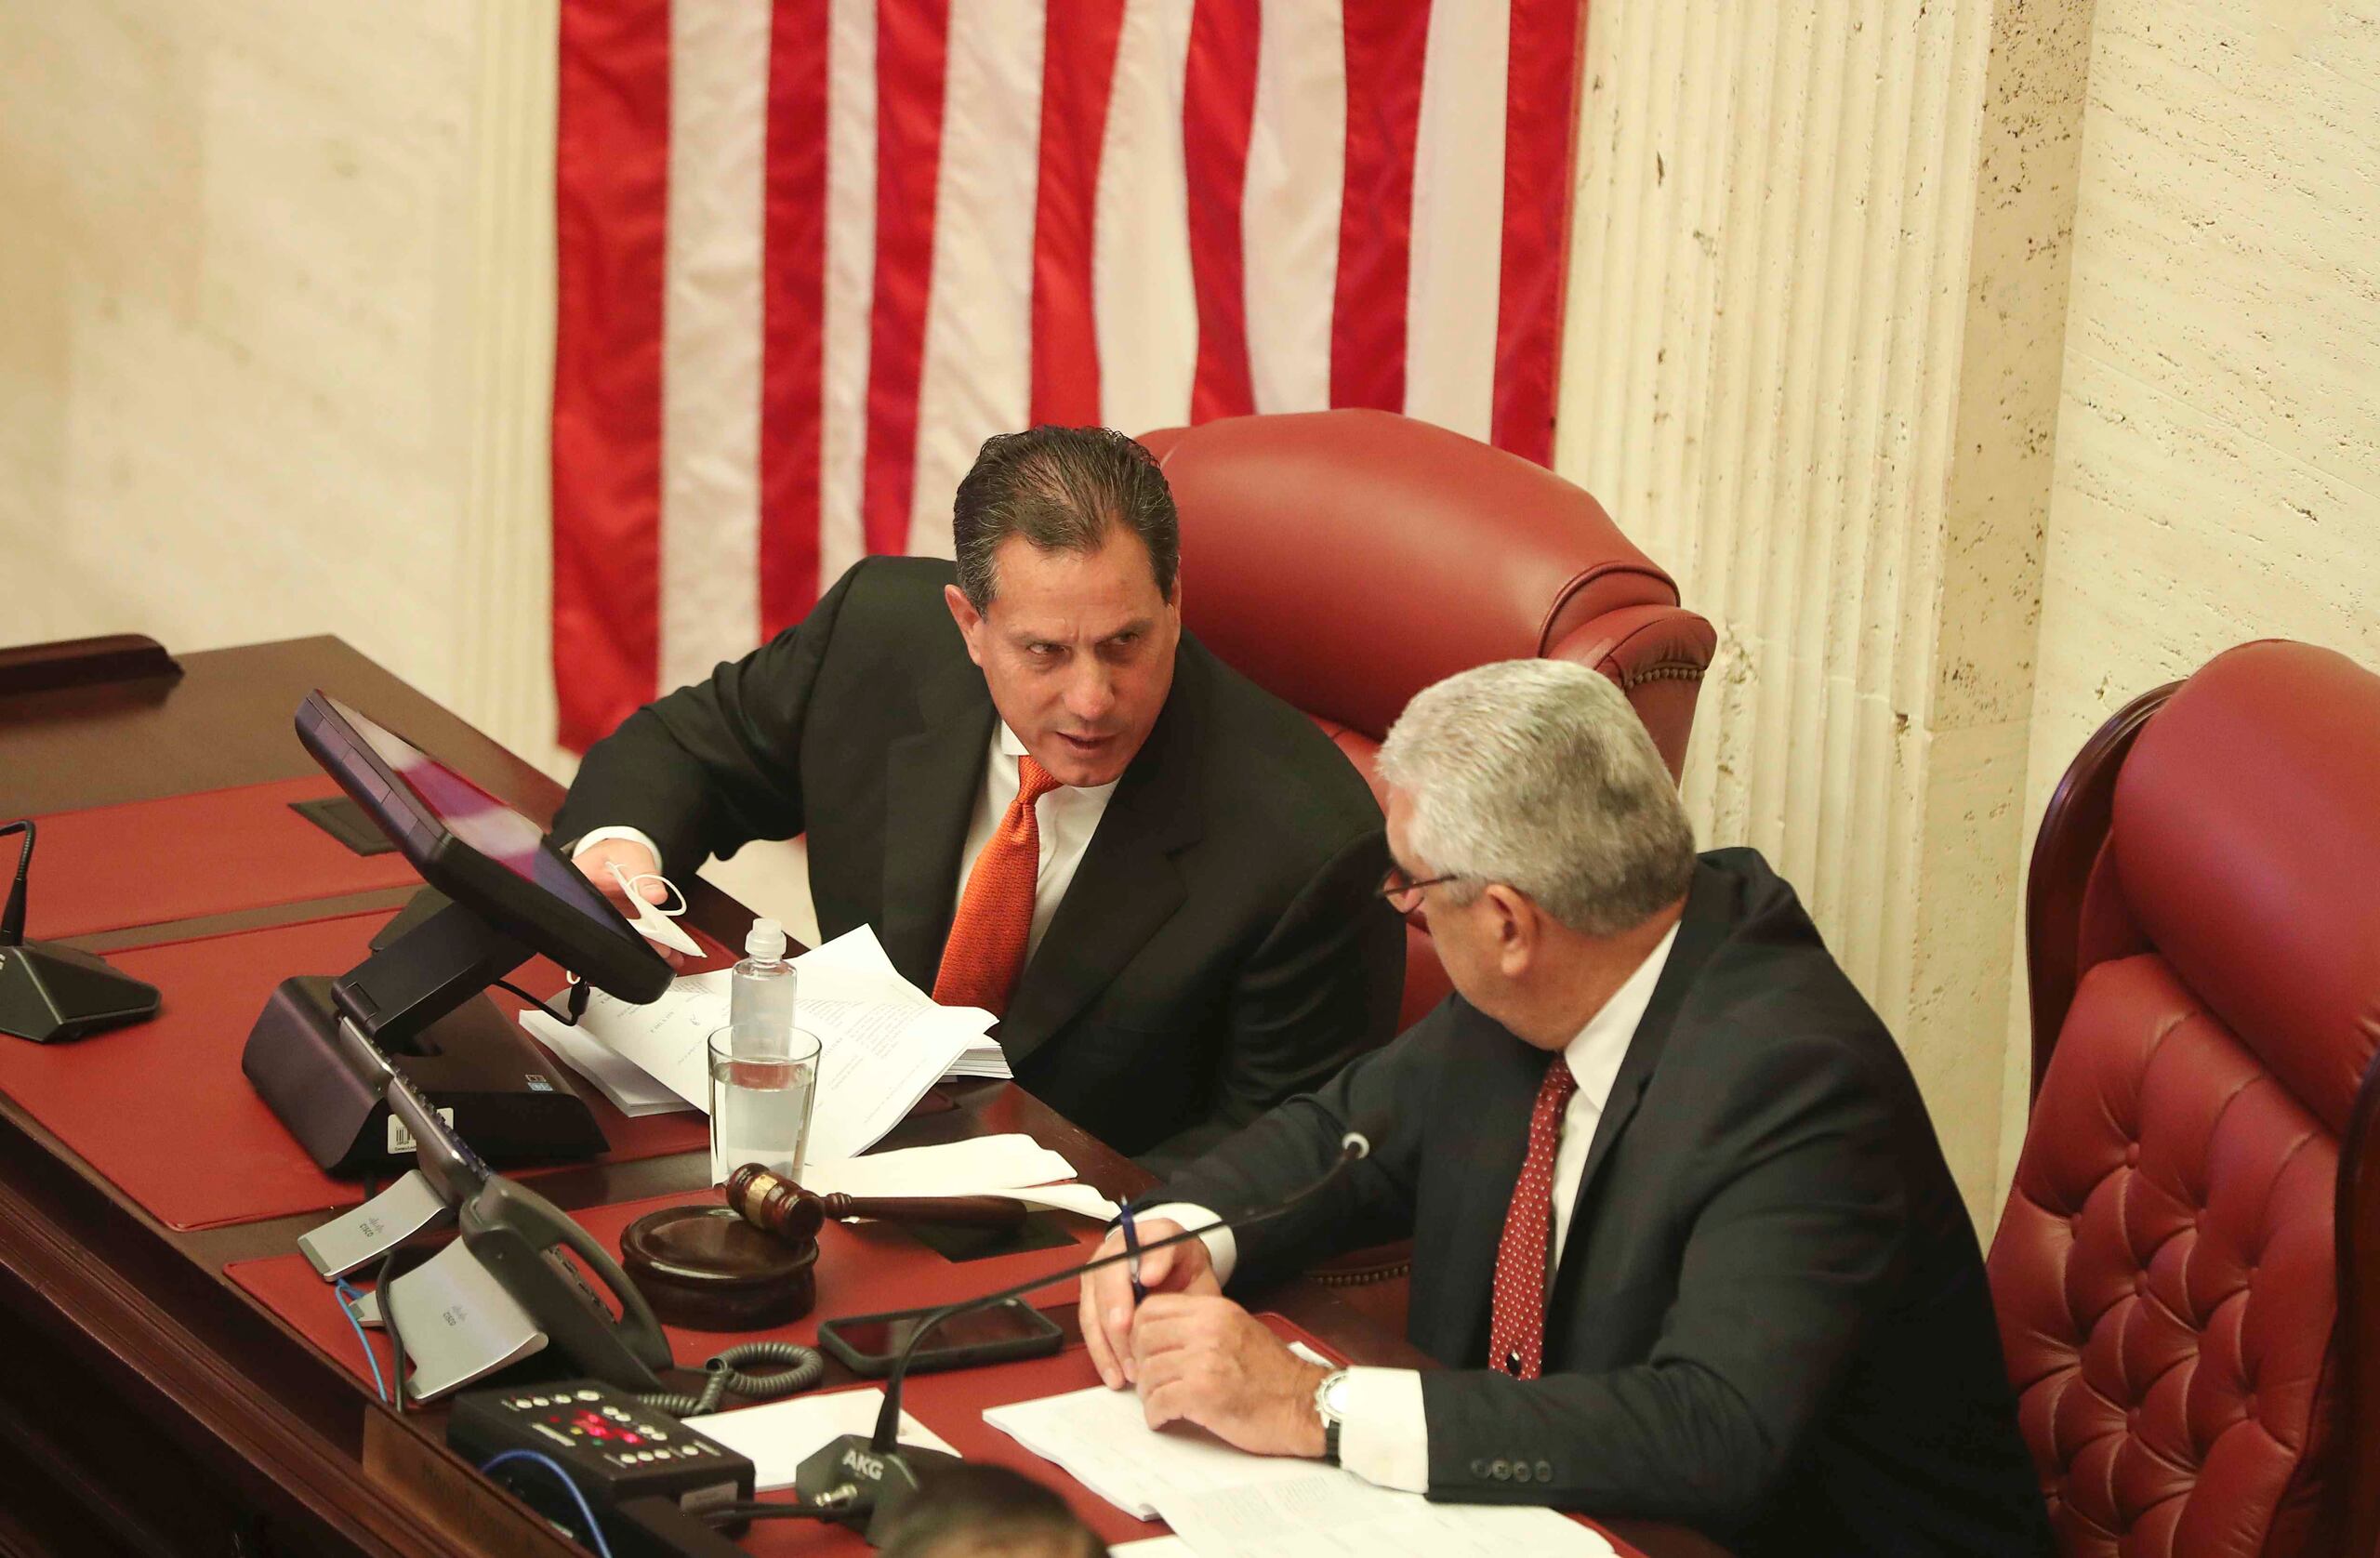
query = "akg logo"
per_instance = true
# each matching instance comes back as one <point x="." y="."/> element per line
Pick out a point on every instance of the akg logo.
<point x="867" y="1466"/>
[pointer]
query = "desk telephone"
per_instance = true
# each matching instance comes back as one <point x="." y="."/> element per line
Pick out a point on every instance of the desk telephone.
<point x="519" y="1237"/>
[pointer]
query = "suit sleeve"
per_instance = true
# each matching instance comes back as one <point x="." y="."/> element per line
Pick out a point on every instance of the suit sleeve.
<point x="1322" y="987"/>
<point x="1295" y="1145"/>
<point x="1785" y="1268"/>
<point x="716" y="764"/>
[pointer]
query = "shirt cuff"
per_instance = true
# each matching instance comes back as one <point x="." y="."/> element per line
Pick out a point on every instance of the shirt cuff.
<point x="1223" y="1251"/>
<point x="1385" y="1437"/>
<point x="593" y="837"/>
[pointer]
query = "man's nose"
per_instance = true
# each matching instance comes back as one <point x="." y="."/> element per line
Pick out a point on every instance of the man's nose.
<point x="1091" y="694"/>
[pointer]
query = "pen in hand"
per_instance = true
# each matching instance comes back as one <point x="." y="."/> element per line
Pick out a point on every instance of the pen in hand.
<point x="1133" y="1247"/>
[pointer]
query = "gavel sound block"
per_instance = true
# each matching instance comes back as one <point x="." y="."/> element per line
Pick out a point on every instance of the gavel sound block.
<point x="750" y="1264"/>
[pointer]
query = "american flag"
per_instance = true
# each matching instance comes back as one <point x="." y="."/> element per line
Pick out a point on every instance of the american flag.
<point x="813" y="252"/>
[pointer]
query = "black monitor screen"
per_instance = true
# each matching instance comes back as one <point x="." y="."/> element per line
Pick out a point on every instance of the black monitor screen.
<point x="453" y="832"/>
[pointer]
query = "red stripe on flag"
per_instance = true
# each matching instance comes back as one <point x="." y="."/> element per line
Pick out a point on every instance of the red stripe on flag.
<point x="1078" y="72"/>
<point x="793" y="335"/>
<point x="1540" y="128"/>
<point x="1218" y="112"/>
<point x="611" y="205"/>
<point x="911" y="37"/>
<point x="1387" y="46"/>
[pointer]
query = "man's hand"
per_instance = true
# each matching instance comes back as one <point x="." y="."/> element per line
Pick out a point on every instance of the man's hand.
<point x="1203" y="1359"/>
<point x="633" y="859"/>
<point x="1106" y="1307"/>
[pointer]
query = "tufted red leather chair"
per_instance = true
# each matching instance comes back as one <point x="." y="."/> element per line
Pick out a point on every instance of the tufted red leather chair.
<point x="2188" y="1273"/>
<point x="1346" y="560"/>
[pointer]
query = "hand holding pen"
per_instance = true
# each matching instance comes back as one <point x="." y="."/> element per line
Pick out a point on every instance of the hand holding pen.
<point x="1111" y="1297"/>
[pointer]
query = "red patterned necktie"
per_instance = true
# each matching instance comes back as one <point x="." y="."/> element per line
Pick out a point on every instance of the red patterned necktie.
<point x="985" y="950"/>
<point x="1516" y="1331"/>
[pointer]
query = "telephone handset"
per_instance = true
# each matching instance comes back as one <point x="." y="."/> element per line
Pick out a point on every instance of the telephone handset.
<point x="519" y="1238"/>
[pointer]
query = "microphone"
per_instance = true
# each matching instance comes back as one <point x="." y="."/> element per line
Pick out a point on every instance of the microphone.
<point x="871" y="1477"/>
<point x="50" y="991"/>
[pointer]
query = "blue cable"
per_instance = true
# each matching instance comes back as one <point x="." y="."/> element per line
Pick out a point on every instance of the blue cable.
<point x="348" y="1299"/>
<point x="577" y="1498"/>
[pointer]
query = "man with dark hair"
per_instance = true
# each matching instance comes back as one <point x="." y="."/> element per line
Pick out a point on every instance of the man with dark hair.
<point x="973" y="1510"/>
<point x="1049" y="800"/>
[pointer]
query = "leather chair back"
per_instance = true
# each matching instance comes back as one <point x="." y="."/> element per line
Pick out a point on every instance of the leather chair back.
<point x="1346" y="560"/>
<point x="2188" y="1271"/>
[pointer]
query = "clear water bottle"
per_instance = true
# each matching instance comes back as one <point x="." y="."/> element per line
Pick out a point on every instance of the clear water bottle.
<point x="760" y="994"/>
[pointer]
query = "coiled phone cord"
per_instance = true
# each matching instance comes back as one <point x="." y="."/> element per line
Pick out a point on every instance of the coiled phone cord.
<point x="726" y="1372"/>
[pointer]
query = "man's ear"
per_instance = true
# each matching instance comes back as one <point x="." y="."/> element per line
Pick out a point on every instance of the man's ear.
<point x="1517" y="927"/>
<point x="969" y="620"/>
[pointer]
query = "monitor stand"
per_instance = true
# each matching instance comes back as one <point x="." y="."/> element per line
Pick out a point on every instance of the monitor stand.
<point x="420" y="995"/>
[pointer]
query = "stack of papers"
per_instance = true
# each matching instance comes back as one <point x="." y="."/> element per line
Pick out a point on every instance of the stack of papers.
<point x="1015" y="1165"/>
<point x="882" y="1043"/>
<point x="1226" y="1503"/>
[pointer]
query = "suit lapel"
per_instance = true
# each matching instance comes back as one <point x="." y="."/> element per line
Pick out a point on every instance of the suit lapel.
<point x="930" y="783"/>
<point x="1127" y="885"/>
<point x="1702" y="925"/>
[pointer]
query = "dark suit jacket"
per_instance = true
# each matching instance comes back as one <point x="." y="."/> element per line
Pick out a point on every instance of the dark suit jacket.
<point x="1216" y="951"/>
<point x="1770" y="1319"/>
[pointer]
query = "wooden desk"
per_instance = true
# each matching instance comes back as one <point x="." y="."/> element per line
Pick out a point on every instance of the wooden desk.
<point x="148" y="1404"/>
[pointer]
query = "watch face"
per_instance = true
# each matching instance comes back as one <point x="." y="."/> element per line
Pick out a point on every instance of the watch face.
<point x="1333" y="1395"/>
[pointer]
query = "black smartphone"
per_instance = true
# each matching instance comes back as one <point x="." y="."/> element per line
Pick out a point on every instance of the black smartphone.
<point x="870" y="1344"/>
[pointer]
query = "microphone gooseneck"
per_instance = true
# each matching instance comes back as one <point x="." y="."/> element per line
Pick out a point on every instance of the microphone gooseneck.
<point x="1352" y="1146"/>
<point x="12" y="918"/>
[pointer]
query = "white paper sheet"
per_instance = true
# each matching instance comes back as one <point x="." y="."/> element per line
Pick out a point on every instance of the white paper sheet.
<point x="779" y="1436"/>
<point x="1333" y="1514"/>
<point x="1101" y="1438"/>
<point x="631" y="1089"/>
<point x="855" y="967"/>
<point x="1013" y="1166"/>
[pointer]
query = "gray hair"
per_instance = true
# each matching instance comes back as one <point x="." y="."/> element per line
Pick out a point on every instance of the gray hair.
<point x="1064" y="490"/>
<point x="1536" y="774"/>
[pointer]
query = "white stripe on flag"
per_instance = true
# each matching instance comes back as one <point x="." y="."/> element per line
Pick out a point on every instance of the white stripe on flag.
<point x="1141" y="282"/>
<point x="850" y="281"/>
<point x="976" y="378"/>
<point x="1297" y="159"/>
<point x="1457" y="279"/>
<point x="710" y="342"/>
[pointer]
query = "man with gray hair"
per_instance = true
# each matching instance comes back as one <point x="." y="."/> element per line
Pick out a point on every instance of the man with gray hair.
<point x="1684" y="1239"/>
<point x="1048" y="800"/>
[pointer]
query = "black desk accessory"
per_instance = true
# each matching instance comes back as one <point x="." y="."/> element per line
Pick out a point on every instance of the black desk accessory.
<point x="503" y="896"/>
<point x="863" y="1480"/>
<point x="346" y="822"/>
<point x="486" y="1077"/>
<point x="614" y="1448"/>
<point x="50" y="992"/>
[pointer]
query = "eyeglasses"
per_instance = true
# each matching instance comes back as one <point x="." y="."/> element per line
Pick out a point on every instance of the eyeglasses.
<point x="1404" y="895"/>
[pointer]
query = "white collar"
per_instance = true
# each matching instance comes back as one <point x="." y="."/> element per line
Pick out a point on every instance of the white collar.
<point x="1594" y="1055"/>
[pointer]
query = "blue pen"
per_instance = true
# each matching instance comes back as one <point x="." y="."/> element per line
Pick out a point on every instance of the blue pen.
<point x="1133" y="1247"/>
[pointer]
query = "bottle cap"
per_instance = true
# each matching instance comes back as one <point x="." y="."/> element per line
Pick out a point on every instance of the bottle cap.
<point x="765" y="941"/>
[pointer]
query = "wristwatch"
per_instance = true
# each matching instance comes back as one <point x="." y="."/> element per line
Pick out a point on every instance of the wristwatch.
<point x="1331" y="1406"/>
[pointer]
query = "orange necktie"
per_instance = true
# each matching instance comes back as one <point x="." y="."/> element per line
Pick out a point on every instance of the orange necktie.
<point x="985" y="951"/>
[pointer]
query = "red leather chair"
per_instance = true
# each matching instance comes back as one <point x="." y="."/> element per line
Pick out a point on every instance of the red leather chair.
<point x="1346" y="560"/>
<point x="2188" y="1273"/>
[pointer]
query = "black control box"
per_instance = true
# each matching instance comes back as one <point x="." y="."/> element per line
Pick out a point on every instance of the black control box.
<point x="613" y="1447"/>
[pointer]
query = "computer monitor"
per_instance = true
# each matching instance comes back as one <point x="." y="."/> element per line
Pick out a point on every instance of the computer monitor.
<point x="480" y="852"/>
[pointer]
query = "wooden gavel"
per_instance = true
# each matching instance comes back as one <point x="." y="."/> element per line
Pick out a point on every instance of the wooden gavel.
<point x="771" y="1201"/>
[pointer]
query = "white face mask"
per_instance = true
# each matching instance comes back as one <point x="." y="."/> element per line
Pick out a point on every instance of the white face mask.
<point x="654" y="921"/>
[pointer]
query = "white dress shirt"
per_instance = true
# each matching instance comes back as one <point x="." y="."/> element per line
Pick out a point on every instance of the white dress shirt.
<point x="1385" y="1438"/>
<point x="1067" y="816"/>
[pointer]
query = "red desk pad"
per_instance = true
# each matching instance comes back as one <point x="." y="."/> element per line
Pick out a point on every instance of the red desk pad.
<point x="164" y="1111"/>
<point x="187" y="855"/>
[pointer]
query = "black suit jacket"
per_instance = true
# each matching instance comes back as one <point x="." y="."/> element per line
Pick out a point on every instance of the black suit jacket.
<point x="1217" y="949"/>
<point x="1770" y="1319"/>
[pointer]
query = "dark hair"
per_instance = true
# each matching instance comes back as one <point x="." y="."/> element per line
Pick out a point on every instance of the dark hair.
<point x="1062" y="489"/>
<point x="974" y="1507"/>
